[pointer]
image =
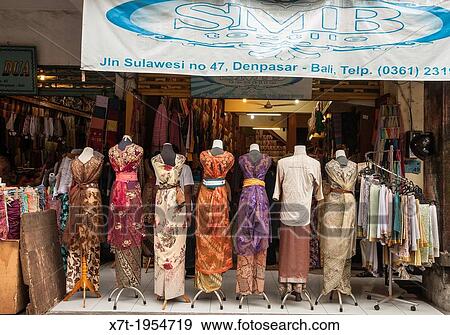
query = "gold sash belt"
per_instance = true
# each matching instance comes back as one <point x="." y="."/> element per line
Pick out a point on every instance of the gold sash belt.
<point x="254" y="182"/>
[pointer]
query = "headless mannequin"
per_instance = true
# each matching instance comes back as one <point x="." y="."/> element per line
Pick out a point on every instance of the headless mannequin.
<point x="168" y="154"/>
<point x="341" y="158"/>
<point x="126" y="141"/>
<point x="86" y="155"/>
<point x="299" y="149"/>
<point x="254" y="153"/>
<point x="217" y="148"/>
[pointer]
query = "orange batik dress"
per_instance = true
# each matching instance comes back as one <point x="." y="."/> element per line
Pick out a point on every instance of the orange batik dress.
<point x="213" y="234"/>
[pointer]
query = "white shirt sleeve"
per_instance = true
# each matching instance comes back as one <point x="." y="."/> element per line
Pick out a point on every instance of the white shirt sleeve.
<point x="186" y="176"/>
<point x="278" y="181"/>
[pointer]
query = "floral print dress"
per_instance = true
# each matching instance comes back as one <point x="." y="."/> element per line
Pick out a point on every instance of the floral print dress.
<point x="170" y="229"/>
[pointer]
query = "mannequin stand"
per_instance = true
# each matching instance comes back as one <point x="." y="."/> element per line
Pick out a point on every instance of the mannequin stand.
<point x="121" y="289"/>
<point x="242" y="297"/>
<point x="83" y="283"/>
<point x="218" y="293"/>
<point x="391" y="296"/>
<point x="341" y="309"/>
<point x="184" y="296"/>
<point x="298" y="297"/>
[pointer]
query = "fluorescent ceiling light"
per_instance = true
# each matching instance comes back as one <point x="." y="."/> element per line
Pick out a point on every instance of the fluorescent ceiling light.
<point x="266" y="128"/>
<point x="264" y="114"/>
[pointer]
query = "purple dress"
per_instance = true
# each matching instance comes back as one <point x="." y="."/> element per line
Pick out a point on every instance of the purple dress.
<point x="253" y="231"/>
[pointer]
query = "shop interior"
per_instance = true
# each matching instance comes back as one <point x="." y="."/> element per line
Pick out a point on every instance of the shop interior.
<point x="42" y="135"/>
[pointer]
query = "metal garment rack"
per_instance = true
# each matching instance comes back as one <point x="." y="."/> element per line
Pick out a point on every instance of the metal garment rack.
<point x="391" y="296"/>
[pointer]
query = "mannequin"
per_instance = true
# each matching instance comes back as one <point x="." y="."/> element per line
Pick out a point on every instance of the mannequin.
<point x="341" y="157"/>
<point x="299" y="149"/>
<point x="126" y="140"/>
<point x="217" y="148"/>
<point x="298" y="180"/>
<point x="168" y="154"/>
<point x="255" y="153"/>
<point x="86" y="155"/>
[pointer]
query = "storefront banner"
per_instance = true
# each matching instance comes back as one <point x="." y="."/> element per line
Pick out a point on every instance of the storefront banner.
<point x="372" y="39"/>
<point x="279" y="88"/>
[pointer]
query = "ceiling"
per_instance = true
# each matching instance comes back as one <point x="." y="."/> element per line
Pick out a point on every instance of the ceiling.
<point x="252" y="106"/>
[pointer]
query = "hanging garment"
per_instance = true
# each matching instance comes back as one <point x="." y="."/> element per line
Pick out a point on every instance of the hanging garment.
<point x="338" y="229"/>
<point x="213" y="236"/>
<point x="160" y="128"/>
<point x="434" y="229"/>
<point x="170" y="229"/>
<point x="253" y="231"/>
<point x="83" y="233"/>
<point x="374" y="204"/>
<point x="125" y="218"/>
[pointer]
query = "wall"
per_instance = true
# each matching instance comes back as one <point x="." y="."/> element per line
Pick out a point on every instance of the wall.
<point x="409" y="95"/>
<point x="53" y="26"/>
<point x="266" y="121"/>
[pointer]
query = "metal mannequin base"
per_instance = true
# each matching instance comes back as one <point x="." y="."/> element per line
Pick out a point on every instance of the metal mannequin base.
<point x="298" y="297"/>
<point x="121" y="289"/>
<point x="219" y="295"/>
<point x="341" y="308"/>
<point x="242" y="297"/>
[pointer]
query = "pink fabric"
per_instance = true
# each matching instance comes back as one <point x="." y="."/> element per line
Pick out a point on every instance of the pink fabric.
<point x="125" y="216"/>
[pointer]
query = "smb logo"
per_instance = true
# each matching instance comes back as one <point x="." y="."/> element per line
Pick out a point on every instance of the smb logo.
<point x="287" y="29"/>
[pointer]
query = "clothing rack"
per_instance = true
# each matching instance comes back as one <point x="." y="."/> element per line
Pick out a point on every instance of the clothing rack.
<point x="391" y="296"/>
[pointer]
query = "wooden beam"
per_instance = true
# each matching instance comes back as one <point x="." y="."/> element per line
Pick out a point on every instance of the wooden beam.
<point x="50" y="105"/>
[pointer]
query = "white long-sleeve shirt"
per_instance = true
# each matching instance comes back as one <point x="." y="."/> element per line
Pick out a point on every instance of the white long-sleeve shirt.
<point x="297" y="178"/>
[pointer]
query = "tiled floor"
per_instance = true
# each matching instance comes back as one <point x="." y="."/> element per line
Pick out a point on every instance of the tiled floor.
<point x="254" y="305"/>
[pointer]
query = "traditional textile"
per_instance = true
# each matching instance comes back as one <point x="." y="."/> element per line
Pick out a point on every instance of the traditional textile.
<point x="3" y="217"/>
<point x="83" y="231"/>
<point x="294" y="258"/>
<point x="434" y="230"/>
<point x="297" y="177"/>
<point x="125" y="216"/>
<point x="338" y="229"/>
<point x="160" y="128"/>
<point x="170" y="229"/>
<point x="128" y="266"/>
<point x="13" y="209"/>
<point x="213" y="236"/>
<point x="250" y="273"/>
<point x="253" y="233"/>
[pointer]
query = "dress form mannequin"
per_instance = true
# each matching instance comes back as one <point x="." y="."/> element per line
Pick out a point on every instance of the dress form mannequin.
<point x="86" y="155"/>
<point x="126" y="140"/>
<point x="341" y="158"/>
<point x="217" y="148"/>
<point x="168" y="154"/>
<point x="299" y="149"/>
<point x="254" y="152"/>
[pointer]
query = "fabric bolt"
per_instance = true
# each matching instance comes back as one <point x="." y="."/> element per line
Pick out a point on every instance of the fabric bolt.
<point x="338" y="229"/>
<point x="160" y="128"/>
<point x="294" y="258"/>
<point x="125" y="216"/>
<point x="4" y="229"/>
<point x="250" y="273"/>
<point x="298" y="177"/>
<point x="213" y="233"/>
<point x="170" y="229"/>
<point x="13" y="210"/>
<point x="83" y="232"/>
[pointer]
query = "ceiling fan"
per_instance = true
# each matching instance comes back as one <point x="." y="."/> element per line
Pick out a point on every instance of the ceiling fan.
<point x="268" y="104"/>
